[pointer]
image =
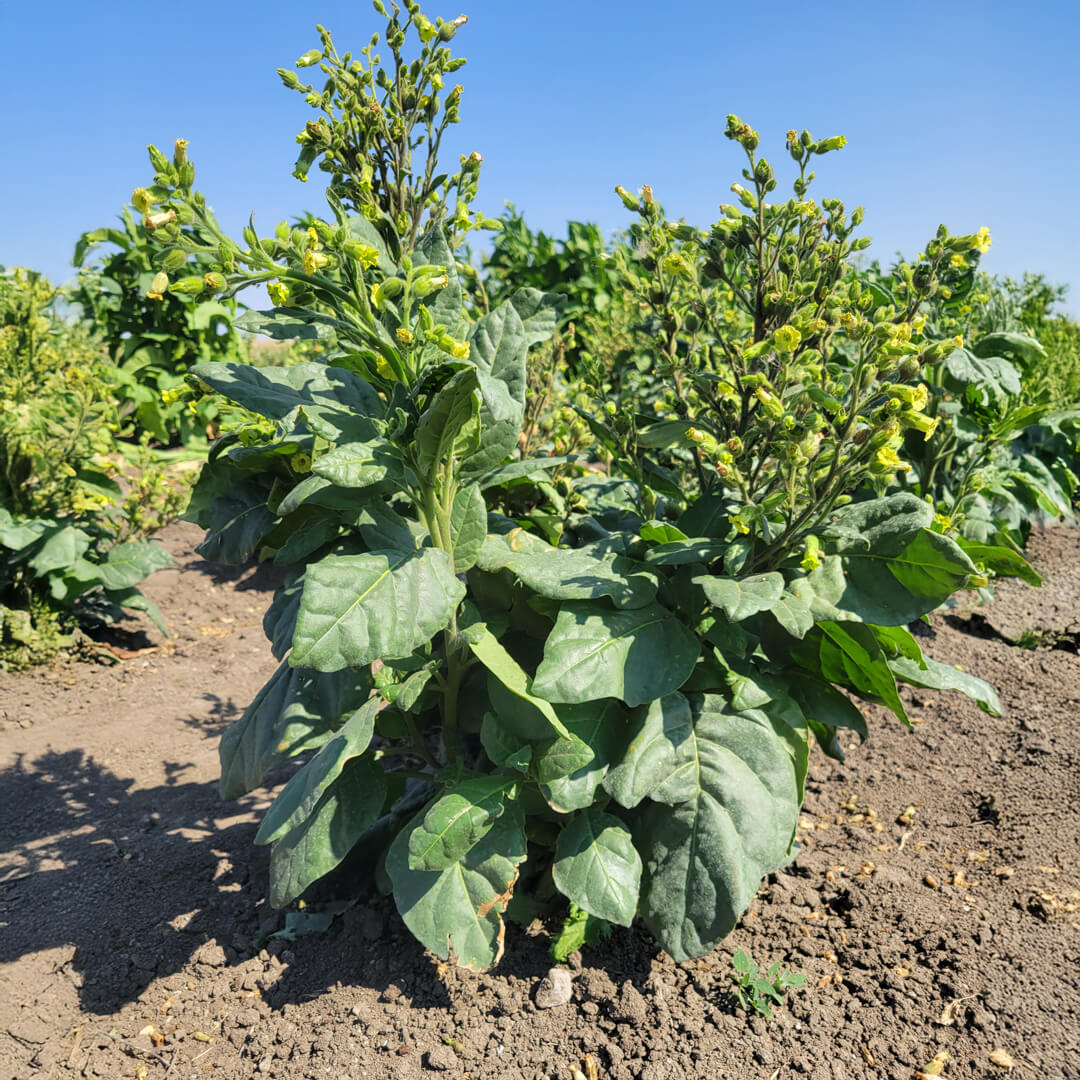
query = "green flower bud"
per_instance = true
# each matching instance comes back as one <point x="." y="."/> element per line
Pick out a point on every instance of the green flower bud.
<point x="310" y="58"/>
<point x="189" y="286"/>
<point x="215" y="281"/>
<point x="629" y="200"/>
<point x="158" y="160"/>
<point x="448" y="29"/>
<point x="173" y="259"/>
<point x="425" y="286"/>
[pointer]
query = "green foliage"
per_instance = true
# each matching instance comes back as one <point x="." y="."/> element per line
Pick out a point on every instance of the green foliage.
<point x="754" y="991"/>
<point x="73" y="513"/>
<point x="605" y="679"/>
<point x="152" y="337"/>
<point x="578" y="931"/>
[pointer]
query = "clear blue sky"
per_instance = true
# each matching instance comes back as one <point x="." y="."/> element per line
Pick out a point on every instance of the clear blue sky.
<point x="963" y="113"/>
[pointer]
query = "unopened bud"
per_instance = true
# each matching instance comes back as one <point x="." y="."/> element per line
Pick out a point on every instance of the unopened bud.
<point x="190" y="286"/>
<point x="629" y="200"/>
<point x="310" y="58"/>
<point x="449" y="29"/>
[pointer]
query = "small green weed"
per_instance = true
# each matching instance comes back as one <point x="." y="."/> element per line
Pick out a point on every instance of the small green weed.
<point x="753" y="991"/>
<point x="579" y="929"/>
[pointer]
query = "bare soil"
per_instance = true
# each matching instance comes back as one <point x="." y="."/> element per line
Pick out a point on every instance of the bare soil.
<point x="934" y="906"/>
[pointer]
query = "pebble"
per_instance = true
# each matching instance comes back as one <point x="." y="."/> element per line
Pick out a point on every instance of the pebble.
<point x="554" y="990"/>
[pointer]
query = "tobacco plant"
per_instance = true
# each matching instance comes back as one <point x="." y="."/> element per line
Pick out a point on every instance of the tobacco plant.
<point x="72" y="536"/>
<point x="624" y="717"/>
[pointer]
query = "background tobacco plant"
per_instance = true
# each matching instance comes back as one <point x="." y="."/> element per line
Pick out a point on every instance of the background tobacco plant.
<point x="611" y="696"/>
<point x="73" y="514"/>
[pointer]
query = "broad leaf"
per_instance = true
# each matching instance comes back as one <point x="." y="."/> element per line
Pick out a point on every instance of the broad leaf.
<point x="238" y="522"/>
<point x="661" y="760"/>
<point x="635" y="656"/>
<point x="739" y="599"/>
<point x="127" y="564"/>
<point x="458" y="820"/>
<point x="348" y="807"/>
<point x="296" y="710"/>
<point x="468" y="526"/>
<point x="491" y="653"/>
<point x="936" y="676"/>
<point x="358" y="465"/>
<point x="337" y="403"/>
<point x="457" y="912"/>
<point x="705" y="857"/>
<point x="602" y="727"/>
<point x="1001" y="560"/>
<point x="453" y="410"/>
<point x="299" y="797"/>
<point x="382" y="605"/>
<point x="597" y="866"/>
<point x="66" y="544"/>
<point x="567" y="573"/>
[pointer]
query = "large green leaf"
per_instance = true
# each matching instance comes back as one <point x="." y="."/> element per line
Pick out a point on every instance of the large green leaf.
<point x="499" y="343"/>
<point x="849" y="654"/>
<point x="602" y="727"/>
<point x="337" y="403"/>
<point x="1005" y="343"/>
<point x="299" y="797"/>
<point x="65" y="544"/>
<point x="539" y="313"/>
<point x="986" y="379"/>
<point x="238" y="522"/>
<point x="743" y="597"/>
<point x="458" y="820"/>
<point x="597" y="866"/>
<point x="705" y="857"/>
<point x="490" y="652"/>
<point x="936" y="676"/>
<point x="296" y="710"/>
<point x="279" y="622"/>
<point x="127" y="564"/>
<point x="636" y="656"/>
<point x="348" y="807"/>
<point x="382" y="605"/>
<point x="1002" y="560"/>
<point x="660" y="760"/>
<point x="567" y="573"/>
<point x="358" y="465"/>
<point x="453" y="411"/>
<point x="894" y="568"/>
<point x="457" y="912"/>
<point x="468" y="526"/>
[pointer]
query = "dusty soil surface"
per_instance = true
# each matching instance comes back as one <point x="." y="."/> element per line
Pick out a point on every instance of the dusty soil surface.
<point x="934" y="906"/>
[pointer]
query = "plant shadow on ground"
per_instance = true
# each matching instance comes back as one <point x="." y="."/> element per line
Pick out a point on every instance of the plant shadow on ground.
<point x="139" y="881"/>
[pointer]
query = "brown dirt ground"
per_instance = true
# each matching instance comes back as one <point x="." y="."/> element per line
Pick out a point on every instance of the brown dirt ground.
<point x="129" y="895"/>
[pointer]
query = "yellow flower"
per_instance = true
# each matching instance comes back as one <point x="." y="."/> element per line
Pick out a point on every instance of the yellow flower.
<point x="958" y="341"/>
<point x="848" y="321"/>
<point x="404" y="335"/>
<point x="957" y="261"/>
<point x="312" y="238"/>
<point x="279" y="293"/>
<point x="946" y="292"/>
<point x="983" y="241"/>
<point x="314" y="261"/>
<point x="740" y="526"/>
<point x="887" y="460"/>
<point x="787" y="339"/>
<point x="141" y="200"/>
<point x="918" y="323"/>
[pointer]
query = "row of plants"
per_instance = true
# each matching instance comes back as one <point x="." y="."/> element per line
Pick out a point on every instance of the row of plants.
<point x="593" y="675"/>
<point x="76" y="504"/>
